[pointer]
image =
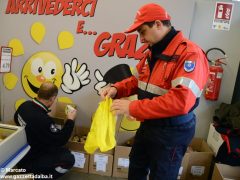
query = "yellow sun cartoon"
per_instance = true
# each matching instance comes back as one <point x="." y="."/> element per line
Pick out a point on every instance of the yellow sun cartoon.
<point x="46" y="66"/>
<point x="41" y="67"/>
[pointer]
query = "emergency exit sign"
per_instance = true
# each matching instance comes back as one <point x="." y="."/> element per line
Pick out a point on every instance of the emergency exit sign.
<point x="222" y="16"/>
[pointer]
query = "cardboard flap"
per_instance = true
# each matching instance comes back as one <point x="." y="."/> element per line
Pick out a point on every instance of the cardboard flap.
<point x="75" y="146"/>
<point x="122" y="169"/>
<point x="124" y="136"/>
<point x="205" y="147"/>
<point x="58" y="109"/>
<point x="81" y="131"/>
<point x="230" y="172"/>
<point x="78" y="131"/>
<point x="199" y="145"/>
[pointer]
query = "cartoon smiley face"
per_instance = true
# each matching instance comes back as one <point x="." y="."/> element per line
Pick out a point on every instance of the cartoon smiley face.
<point x="41" y="67"/>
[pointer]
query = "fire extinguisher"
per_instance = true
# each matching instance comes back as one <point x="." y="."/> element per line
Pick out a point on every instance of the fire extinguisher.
<point x="214" y="55"/>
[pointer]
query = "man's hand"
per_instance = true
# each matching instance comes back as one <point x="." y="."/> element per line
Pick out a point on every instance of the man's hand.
<point x="108" y="91"/>
<point x="121" y="106"/>
<point x="131" y="118"/>
<point x="74" y="78"/>
<point x="72" y="114"/>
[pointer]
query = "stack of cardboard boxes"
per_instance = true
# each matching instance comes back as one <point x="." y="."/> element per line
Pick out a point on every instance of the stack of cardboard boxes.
<point x="121" y="153"/>
<point x="220" y="171"/>
<point x="97" y="163"/>
<point x="101" y="163"/>
<point x="196" y="163"/>
<point x="197" y="160"/>
<point x="77" y="148"/>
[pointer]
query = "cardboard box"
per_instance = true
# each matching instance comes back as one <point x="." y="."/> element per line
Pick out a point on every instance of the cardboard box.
<point x="121" y="157"/>
<point x="121" y="161"/>
<point x="226" y="172"/>
<point x="214" y="139"/>
<point x="200" y="160"/>
<point x="196" y="163"/>
<point x="101" y="163"/>
<point x="58" y="112"/>
<point x="121" y="154"/>
<point x="77" y="148"/>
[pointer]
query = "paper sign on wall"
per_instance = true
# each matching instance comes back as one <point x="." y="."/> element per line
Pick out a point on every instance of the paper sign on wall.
<point x="5" y="59"/>
<point x="222" y="16"/>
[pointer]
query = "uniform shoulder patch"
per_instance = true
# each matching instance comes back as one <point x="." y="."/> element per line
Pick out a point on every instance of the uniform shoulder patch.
<point x="189" y="65"/>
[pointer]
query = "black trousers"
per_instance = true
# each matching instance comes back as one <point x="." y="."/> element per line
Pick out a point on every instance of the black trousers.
<point x="158" y="151"/>
<point x="53" y="163"/>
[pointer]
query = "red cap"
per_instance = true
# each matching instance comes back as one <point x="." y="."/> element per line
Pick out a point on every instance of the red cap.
<point x="147" y="13"/>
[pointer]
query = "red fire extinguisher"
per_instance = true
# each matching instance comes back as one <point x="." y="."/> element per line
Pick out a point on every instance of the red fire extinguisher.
<point x="216" y="73"/>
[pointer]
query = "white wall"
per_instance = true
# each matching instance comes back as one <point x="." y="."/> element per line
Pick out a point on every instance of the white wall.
<point x="229" y="41"/>
<point x="110" y="16"/>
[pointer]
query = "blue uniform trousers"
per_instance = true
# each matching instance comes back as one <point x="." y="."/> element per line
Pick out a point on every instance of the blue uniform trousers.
<point x="158" y="149"/>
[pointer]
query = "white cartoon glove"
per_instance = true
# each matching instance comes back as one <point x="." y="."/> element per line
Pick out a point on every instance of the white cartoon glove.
<point x="73" y="78"/>
<point x="101" y="83"/>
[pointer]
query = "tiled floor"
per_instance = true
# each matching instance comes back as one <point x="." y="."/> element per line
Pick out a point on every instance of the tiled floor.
<point x="72" y="175"/>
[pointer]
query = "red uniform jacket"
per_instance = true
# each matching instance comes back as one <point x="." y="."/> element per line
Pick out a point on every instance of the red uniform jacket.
<point x="175" y="84"/>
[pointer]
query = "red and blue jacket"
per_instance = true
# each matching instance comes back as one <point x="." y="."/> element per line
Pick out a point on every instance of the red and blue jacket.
<point x="169" y="87"/>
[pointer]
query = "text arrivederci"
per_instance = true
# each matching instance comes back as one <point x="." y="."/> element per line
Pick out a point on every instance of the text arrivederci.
<point x="53" y="7"/>
<point x="119" y="44"/>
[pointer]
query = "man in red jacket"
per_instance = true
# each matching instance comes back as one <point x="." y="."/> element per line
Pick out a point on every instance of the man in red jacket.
<point x="168" y="82"/>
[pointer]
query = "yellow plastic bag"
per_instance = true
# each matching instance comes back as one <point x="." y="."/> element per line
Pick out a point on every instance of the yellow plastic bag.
<point x="102" y="132"/>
